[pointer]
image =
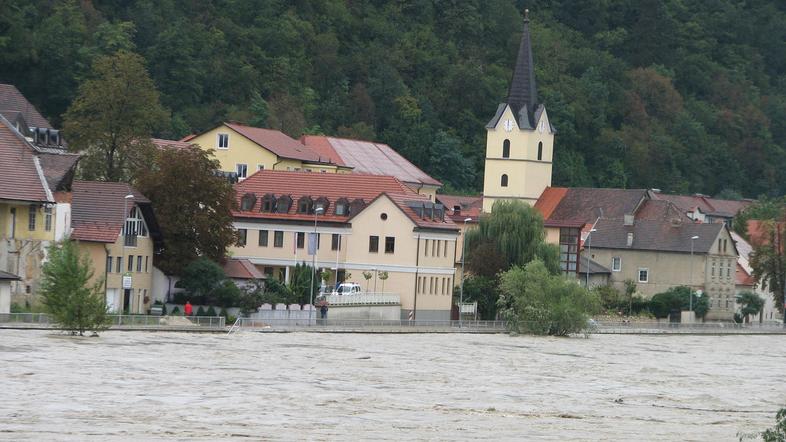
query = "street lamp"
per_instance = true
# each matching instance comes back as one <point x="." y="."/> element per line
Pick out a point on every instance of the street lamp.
<point x="319" y="209"/>
<point x="589" y="253"/>
<point x="690" y="301"/>
<point x="123" y="233"/>
<point x="461" y="284"/>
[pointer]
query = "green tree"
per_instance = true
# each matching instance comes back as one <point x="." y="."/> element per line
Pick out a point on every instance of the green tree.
<point x="514" y="230"/>
<point x="68" y="295"/>
<point x="769" y="263"/>
<point x="193" y="207"/>
<point x="778" y="432"/>
<point x="113" y="117"/>
<point x="483" y="290"/>
<point x="383" y="276"/>
<point x="301" y="279"/>
<point x="750" y="304"/>
<point x="201" y="279"/>
<point x="536" y="301"/>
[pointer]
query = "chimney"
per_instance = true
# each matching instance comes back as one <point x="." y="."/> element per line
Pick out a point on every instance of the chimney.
<point x="628" y="220"/>
<point x="630" y="239"/>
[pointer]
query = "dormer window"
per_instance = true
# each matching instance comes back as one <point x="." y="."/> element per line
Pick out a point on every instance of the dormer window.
<point x="268" y="203"/>
<point x="356" y="206"/>
<point x="322" y="202"/>
<point x="283" y="204"/>
<point x="342" y="207"/>
<point x="305" y="205"/>
<point x="247" y="202"/>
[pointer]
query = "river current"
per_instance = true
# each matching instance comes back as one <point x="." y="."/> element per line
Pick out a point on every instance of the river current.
<point x="132" y="386"/>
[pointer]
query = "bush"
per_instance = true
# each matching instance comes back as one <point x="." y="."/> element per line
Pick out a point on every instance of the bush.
<point x="163" y="309"/>
<point x="535" y="301"/>
<point x="610" y="298"/>
<point x="677" y="299"/>
<point x="176" y="311"/>
<point x="211" y="311"/>
<point x="482" y="290"/>
<point x="200" y="311"/>
<point x="778" y="432"/>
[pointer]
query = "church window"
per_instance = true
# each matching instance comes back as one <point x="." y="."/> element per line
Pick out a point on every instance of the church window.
<point x="506" y="149"/>
<point x="540" y="151"/>
<point x="504" y="180"/>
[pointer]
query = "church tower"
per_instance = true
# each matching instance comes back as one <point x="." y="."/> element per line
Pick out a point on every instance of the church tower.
<point x="519" y="139"/>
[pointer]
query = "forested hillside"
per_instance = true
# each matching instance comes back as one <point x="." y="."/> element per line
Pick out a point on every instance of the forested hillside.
<point x="682" y="95"/>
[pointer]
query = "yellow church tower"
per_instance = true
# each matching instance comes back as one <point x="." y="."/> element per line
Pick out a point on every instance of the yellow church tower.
<point x="519" y="139"/>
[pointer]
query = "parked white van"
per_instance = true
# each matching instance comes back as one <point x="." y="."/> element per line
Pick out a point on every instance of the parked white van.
<point x="347" y="288"/>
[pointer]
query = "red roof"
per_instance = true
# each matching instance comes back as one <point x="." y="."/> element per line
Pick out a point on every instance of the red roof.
<point x="278" y="143"/>
<point x="369" y="157"/>
<point x="97" y="209"/>
<point x="549" y="200"/>
<point x="742" y="277"/>
<point x="242" y="269"/>
<point x="13" y="100"/>
<point x="331" y="186"/>
<point x="21" y="175"/>
<point x="468" y="207"/>
<point x="707" y="205"/>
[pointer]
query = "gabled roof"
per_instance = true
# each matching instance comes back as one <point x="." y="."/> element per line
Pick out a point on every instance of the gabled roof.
<point x="278" y="143"/>
<point x="11" y="100"/>
<point x="21" y="175"/>
<point x="97" y="210"/>
<point x="59" y="169"/>
<point x="579" y="204"/>
<point x="368" y="157"/>
<point x="707" y="205"/>
<point x="239" y="268"/>
<point x="594" y="267"/>
<point x="329" y="185"/>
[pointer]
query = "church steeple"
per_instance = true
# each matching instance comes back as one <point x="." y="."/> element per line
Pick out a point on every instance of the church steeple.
<point x="523" y="90"/>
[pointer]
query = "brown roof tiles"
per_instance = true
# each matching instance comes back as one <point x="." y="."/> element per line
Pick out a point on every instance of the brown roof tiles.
<point x="21" y="175"/>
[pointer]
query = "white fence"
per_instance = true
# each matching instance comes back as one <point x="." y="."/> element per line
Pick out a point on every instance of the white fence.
<point x="364" y="299"/>
<point x="42" y="320"/>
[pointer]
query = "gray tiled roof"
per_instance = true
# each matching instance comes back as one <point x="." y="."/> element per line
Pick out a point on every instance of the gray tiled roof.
<point x="656" y="235"/>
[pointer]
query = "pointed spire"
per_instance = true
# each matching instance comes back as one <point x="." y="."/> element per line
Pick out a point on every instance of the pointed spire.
<point x="523" y="91"/>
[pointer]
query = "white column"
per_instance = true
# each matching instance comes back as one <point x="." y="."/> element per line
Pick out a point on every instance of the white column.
<point x="286" y="275"/>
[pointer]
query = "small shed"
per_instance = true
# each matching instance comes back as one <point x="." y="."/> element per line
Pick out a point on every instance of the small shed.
<point x="242" y="272"/>
<point x="598" y="274"/>
<point x="5" y="291"/>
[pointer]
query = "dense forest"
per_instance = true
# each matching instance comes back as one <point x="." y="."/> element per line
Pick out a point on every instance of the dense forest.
<point x="682" y="95"/>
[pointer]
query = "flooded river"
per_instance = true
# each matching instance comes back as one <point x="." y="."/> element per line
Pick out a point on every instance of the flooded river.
<point x="175" y="386"/>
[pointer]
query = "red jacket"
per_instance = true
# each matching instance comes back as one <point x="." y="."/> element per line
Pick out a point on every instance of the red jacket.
<point x="188" y="309"/>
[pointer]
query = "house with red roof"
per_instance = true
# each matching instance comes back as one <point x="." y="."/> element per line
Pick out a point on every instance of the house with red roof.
<point x="242" y="150"/>
<point x="115" y="226"/>
<point x="364" y="223"/>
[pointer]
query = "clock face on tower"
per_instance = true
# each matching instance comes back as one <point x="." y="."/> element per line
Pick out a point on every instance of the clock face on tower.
<point x="508" y="125"/>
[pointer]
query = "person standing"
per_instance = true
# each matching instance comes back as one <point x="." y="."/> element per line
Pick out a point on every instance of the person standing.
<point x="188" y="308"/>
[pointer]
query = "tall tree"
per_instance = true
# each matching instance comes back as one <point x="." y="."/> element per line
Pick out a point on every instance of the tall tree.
<point x="113" y="117"/>
<point x="74" y="303"/>
<point x="514" y="232"/>
<point x="193" y="206"/>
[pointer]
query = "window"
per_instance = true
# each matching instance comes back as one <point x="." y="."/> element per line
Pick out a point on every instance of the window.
<point x="425" y="249"/>
<point x="278" y="238"/>
<point x="223" y="141"/>
<point x="130" y="262"/>
<point x="540" y="151"/>
<point x="268" y="203"/>
<point x="390" y="244"/>
<point x="134" y="227"/>
<point x="31" y="218"/>
<point x="243" y="234"/>
<point x="373" y="244"/>
<point x="242" y="171"/>
<point x="48" y="219"/>
<point x="445" y="248"/>
<point x="119" y="264"/>
<point x="300" y="239"/>
<point x="139" y="263"/>
<point x="443" y="285"/>
<point x="248" y="201"/>
<point x="283" y="204"/>
<point x="506" y="149"/>
<point x="263" y="238"/>
<point x="644" y="275"/>
<point x="147" y="261"/>
<point x="260" y="167"/>
<point x="109" y="264"/>
<point x="383" y="216"/>
<point x="713" y="269"/>
<point x="304" y="205"/>
<point x="569" y="249"/>
<point x="504" y="180"/>
<point x="341" y="207"/>
<point x="616" y="264"/>
<point x="433" y="247"/>
<point x="335" y="242"/>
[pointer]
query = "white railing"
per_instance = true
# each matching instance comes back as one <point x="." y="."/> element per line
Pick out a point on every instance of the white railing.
<point x="121" y="321"/>
<point x="364" y="299"/>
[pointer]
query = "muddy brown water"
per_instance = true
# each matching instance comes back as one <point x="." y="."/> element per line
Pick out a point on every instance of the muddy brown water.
<point x="130" y="386"/>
